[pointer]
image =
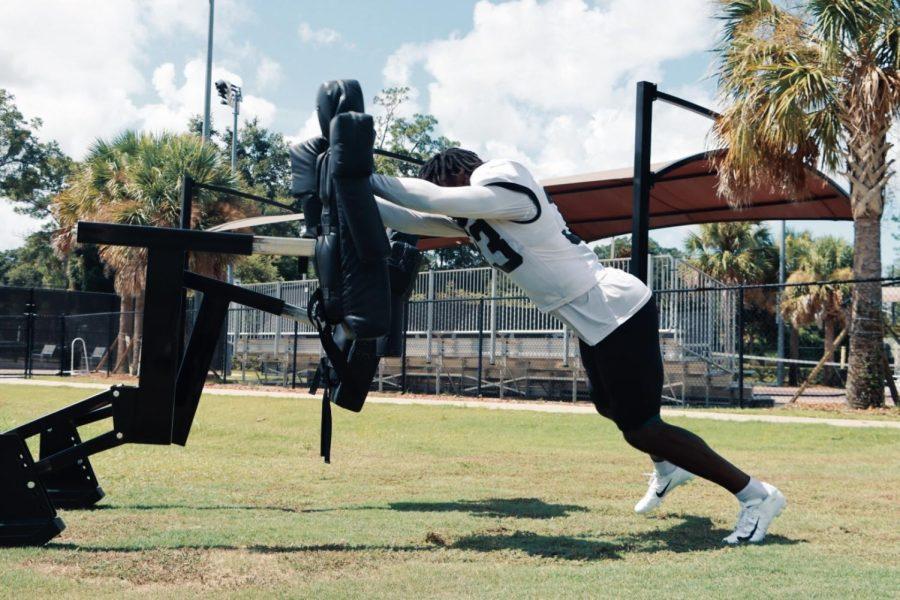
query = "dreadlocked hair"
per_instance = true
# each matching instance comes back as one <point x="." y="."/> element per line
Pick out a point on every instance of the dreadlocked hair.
<point x="448" y="163"/>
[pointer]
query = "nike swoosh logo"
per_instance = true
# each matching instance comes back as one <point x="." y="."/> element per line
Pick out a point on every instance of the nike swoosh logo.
<point x="663" y="492"/>
<point x="750" y="535"/>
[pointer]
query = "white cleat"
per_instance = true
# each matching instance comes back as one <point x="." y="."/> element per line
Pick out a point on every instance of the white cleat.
<point x="756" y="516"/>
<point x="660" y="487"/>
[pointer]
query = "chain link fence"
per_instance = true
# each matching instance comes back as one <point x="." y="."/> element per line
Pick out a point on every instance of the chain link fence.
<point x="471" y="332"/>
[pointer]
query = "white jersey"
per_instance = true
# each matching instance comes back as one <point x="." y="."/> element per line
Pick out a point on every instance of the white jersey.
<point x="507" y="214"/>
<point x="551" y="264"/>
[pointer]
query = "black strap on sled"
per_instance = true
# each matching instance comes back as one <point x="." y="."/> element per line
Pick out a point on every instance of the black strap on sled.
<point x="334" y="359"/>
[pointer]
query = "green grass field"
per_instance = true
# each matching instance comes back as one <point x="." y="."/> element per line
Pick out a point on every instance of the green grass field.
<point x="452" y="502"/>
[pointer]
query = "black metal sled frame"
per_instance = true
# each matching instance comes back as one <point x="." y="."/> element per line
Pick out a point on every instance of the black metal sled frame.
<point x="160" y="409"/>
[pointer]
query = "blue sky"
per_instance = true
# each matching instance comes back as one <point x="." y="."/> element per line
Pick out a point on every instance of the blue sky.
<point x="550" y="83"/>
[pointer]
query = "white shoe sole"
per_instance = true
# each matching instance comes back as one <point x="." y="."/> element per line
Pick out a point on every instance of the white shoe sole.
<point x="779" y="502"/>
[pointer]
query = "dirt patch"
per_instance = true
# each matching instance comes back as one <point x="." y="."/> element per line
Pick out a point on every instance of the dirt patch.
<point x="219" y="569"/>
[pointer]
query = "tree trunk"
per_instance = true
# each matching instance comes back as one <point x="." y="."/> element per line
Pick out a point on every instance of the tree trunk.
<point x="830" y="375"/>
<point x="865" y="384"/>
<point x="868" y="171"/>
<point x="793" y="375"/>
<point x="125" y="321"/>
<point x="138" y="332"/>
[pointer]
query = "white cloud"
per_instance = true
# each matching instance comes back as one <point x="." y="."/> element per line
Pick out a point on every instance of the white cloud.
<point x="84" y="71"/>
<point x="553" y="82"/>
<point x="310" y="128"/>
<point x="14" y="228"/>
<point x="175" y="17"/>
<point x="318" y="37"/>
<point x="268" y="73"/>
<point x="75" y="68"/>
<point x="181" y="100"/>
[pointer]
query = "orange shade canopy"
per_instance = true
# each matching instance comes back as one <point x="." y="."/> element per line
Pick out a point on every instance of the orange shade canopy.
<point x="599" y="204"/>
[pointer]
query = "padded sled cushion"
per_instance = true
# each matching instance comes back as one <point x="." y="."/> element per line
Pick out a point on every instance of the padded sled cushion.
<point x="403" y="267"/>
<point x="362" y="361"/>
<point x="351" y="164"/>
<point x="337" y="97"/>
<point x="352" y="138"/>
<point x="304" y="183"/>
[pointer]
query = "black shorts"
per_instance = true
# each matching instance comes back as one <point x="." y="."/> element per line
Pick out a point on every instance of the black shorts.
<point x="625" y="370"/>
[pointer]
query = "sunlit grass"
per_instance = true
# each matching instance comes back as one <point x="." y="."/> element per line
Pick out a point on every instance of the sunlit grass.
<point x="452" y="502"/>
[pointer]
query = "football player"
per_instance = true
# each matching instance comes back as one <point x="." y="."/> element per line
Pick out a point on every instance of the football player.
<point x="500" y="207"/>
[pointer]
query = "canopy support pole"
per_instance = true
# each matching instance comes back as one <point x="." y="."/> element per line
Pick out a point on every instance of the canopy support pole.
<point x="643" y="180"/>
<point x="643" y="177"/>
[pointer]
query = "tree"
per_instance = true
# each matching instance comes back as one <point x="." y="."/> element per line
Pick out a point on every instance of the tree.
<point x="415" y="136"/>
<point x="135" y="179"/>
<point x="623" y="249"/>
<point x="816" y="82"/>
<point x="827" y="259"/>
<point x="31" y="171"/>
<point x="34" y="264"/>
<point x="264" y="168"/>
<point x="257" y="268"/>
<point x="739" y="252"/>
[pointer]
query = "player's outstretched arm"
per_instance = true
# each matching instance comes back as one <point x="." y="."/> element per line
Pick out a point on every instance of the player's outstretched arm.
<point x="409" y="221"/>
<point x="471" y="201"/>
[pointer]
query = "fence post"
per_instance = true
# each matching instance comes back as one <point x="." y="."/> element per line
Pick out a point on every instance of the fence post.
<point x="223" y="335"/>
<point x="480" y="341"/>
<point x="277" y="326"/>
<point x="246" y="344"/>
<point x="62" y="345"/>
<point x="493" y="349"/>
<point x="740" y="341"/>
<point x="403" y="347"/>
<point x="109" y="343"/>
<point x="294" y="366"/>
<point x="29" y="336"/>
<point x="565" y="333"/>
<point x="429" y="320"/>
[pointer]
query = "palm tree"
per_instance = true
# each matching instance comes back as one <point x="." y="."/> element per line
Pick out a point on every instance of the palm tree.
<point x="740" y="252"/>
<point x="816" y="82"/>
<point x="828" y="259"/>
<point x="135" y="179"/>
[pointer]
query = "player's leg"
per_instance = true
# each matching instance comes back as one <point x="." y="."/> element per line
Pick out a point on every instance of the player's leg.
<point x="632" y="372"/>
<point x="665" y="475"/>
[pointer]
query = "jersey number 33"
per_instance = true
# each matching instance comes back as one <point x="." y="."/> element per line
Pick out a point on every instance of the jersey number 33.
<point x="488" y="239"/>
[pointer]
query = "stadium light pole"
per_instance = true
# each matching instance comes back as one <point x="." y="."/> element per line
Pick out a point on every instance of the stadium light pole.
<point x="206" y="90"/>
<point x="231" y="96"/>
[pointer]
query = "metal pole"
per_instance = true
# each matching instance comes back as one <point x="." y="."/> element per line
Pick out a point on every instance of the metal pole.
<point x="207" y="89"/>
<point x="480" y="341"/>
<point x="429" y="316"/>
<point x="643" y="180"/>
<point x="229" y="268"/>
<point x="29" y="336"/>
<point x="234" y="135"/>
<point x="740" y="342"/>
<point x="294" y="366"/>
<point x="779" y="319"/>
<point x="403" y="348"/>
<point x="109" y="342"/>
<point x="493" y="319"/>
<point x="187" y="201"/>
<point x="62" y="345"/>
